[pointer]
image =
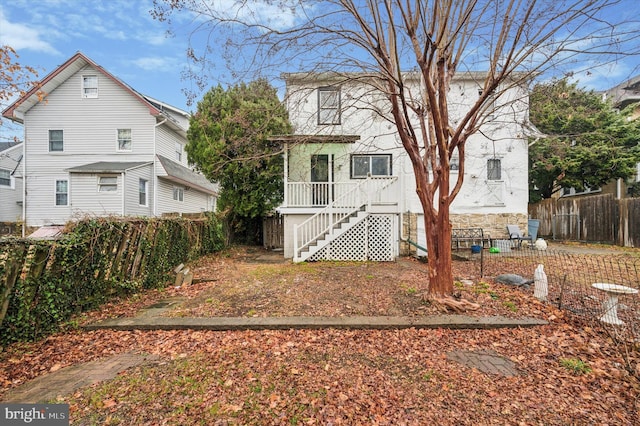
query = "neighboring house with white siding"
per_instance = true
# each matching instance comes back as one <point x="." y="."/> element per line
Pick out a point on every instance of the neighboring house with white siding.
<point x="10" y="182"/>
<point x="96" y="147"/>
<point x="350" y="193"/>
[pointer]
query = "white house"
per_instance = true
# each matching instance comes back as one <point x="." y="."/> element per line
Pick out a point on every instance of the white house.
<point x="10" y="182"/>
<point x="349" y="185"/>
<point x="93" y="146"/>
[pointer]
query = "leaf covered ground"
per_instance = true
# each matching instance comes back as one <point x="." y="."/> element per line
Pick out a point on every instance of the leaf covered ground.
<point x="568" y="371"/>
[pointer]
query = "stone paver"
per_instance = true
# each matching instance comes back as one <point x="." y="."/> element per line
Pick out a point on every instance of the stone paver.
<point x="487" y="361"/>
<point x="67" y="380"/>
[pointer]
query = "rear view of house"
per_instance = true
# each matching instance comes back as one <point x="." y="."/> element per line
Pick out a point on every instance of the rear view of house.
<point x="95" y="147"/>
<point x="350" y="193"/>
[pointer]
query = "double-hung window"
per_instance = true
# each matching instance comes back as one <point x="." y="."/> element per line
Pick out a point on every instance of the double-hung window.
<point x="89" y="86"/>
<point x="62" y="192"/>
<point x="178" y="193"/>
<point x="5" y="177"/>
<point x="107" y="183"/>
<point x="494" y="169"/>
<point x="328" y="105"/>
<point x="143" y="186"/>
<point x="124" y="140"/>
<point x="363" y="165"/>
<point x="56" y="141"/>
<point x="179" y="152"/>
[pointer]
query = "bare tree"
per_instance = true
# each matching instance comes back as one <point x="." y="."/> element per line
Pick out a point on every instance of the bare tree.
<point x="511" y="41"/>
<point x="15" y="80"/>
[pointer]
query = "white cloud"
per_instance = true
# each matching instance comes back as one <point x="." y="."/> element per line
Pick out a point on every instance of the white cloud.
<point x="156" y="63"/>
<point x="20" y="36"/>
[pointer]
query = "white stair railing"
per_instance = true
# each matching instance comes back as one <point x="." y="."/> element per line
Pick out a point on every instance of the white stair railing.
<point x="321" y="224"/>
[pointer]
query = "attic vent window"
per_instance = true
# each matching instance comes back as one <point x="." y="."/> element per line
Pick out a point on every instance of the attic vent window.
<point x="89" y="86"/>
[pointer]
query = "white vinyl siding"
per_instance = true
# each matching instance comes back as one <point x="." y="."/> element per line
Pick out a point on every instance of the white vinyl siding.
<point x="90" y="197"/>
<point x="132" y="191"/>
<point x="11" y="196"/>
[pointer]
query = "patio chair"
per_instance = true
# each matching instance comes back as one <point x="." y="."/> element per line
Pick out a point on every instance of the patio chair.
<point x="515" y="234"/>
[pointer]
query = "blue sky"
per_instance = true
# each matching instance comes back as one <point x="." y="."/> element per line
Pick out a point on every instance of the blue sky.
<point x="121" y="36"/>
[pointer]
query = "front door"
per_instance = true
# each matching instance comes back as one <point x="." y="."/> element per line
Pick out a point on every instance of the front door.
<point x="321" y="194"/>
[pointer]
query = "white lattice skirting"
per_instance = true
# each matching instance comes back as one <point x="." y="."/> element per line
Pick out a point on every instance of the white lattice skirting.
<point x="371" y="239"/>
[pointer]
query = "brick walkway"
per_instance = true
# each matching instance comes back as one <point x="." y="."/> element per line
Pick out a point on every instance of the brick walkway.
<point x="487" y="361"/>
<point x="66" y="380"/>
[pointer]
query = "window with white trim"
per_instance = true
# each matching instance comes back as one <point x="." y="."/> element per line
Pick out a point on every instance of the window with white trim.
<point x="56" y="141"/>
<point x="107" y="183"/>
<point x="179" y="149"/>
<point x="124" y="140"/>
<point x="494" y="169"/>
<point x="143" y="186"/>
<point x="5" y="177"/>
<point x="363" y="165"/>
<point x="62" y="192"/>
<point x="89" y="86"/>
<point x="178" y="193"/>
<point x="328" y="105"/>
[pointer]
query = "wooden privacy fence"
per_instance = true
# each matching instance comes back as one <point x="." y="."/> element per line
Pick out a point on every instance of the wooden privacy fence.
<point x="596" y="218"/>
<point x="43" y="283"/>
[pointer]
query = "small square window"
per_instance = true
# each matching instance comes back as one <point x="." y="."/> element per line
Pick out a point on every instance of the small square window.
<point x="56" y="141"/>
<point x="328" y="105"/>
<point x="178" y="193"/>
<point x="5" y="177"/>
<point x="494" y="169"/>
<point x="89" y="86"/>
<point x="107" y="183"/>
<point x="142" y="192"/>
<point x="62" y="193"/>
<point x="124" y="140"/>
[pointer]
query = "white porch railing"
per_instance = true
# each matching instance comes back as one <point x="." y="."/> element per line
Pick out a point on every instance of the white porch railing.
<point x="315" y="194"/>
<point x="359" y="197"/>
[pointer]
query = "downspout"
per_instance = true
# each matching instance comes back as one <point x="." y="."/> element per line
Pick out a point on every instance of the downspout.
<point x="124" y="191"/>
<point x="155" y="175"/>
<point x="24" y="183"/>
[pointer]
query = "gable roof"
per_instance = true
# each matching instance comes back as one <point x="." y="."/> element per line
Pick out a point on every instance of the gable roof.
<point x="184" y="176"/>
<point x="48" y="84"/>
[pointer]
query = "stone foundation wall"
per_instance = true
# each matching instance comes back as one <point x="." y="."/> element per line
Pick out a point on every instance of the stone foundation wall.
<point x="493" y="225"/>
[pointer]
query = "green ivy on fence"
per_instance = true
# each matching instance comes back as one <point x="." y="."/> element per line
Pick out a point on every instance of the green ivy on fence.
<point x="44" y="283"/>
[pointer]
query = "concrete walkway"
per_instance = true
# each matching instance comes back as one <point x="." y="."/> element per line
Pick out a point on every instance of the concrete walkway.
<point x="144" y="322"/>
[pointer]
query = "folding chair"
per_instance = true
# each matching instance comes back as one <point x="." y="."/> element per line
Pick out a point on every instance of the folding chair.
<point x="515" y="234"/>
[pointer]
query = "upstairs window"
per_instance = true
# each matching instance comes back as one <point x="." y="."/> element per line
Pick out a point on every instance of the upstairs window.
<point x="328" y="105"/>
<point x="89" y="86"/>
<point x="363" y="165"/>
<point x="494" y="169"/>
<point x="179" y="152"/>
<point x="107" y="183"/>
<point x="62" y="192"/>
<point x="5" y="177"/>
<point x="124" y="140"/>
<point x="56" y="140"/>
